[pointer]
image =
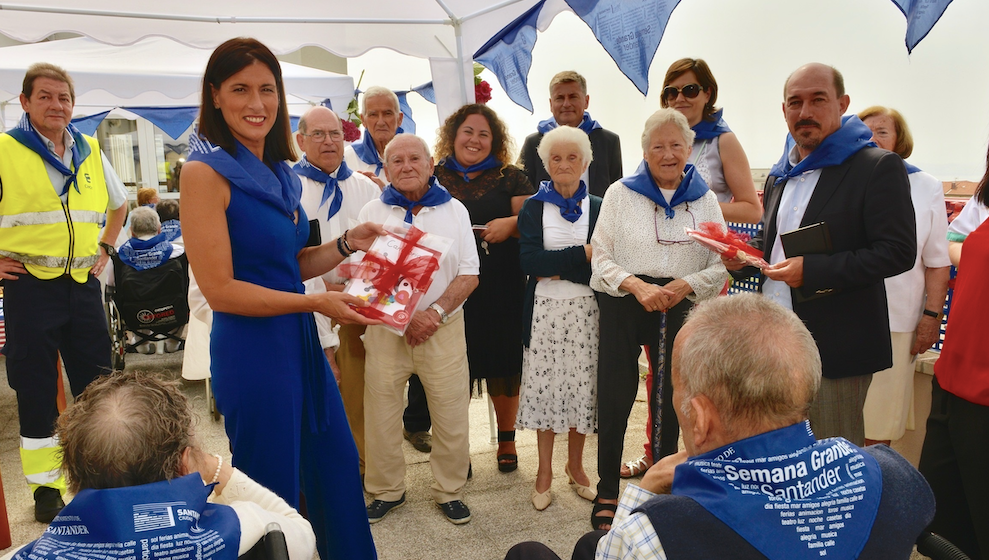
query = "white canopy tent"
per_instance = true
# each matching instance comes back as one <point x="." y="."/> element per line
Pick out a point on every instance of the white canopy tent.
<point x="152" y="72"/>
<point x="445" y="31"/>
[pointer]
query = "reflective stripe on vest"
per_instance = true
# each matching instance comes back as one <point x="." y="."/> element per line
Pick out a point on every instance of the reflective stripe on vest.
<point x="36" y="228"/>
<point x="41" y="459"/>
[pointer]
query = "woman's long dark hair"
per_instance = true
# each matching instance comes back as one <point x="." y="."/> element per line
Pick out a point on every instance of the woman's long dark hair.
<point x="982" y="191"/>
<point x="228" y="59"/>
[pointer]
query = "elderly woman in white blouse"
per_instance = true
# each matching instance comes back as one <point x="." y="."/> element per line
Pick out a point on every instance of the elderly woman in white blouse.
<point x="559" y="366"/>
<point x="643" y="264"/>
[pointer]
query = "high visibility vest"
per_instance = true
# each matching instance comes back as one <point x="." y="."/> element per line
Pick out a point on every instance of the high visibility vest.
<point x="49" y="237"/>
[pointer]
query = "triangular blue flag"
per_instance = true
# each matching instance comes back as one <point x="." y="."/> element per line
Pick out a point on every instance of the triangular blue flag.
<point x="921" y="16"/>
<point x="172" y="120"/>
<point x="427" y="92"/>
<point x="408" y="124"/>
<point x="88" y="125"/>
<point x="508" y="55"/>
<point x="630" y="30"/>
<point x="294" y="123"/>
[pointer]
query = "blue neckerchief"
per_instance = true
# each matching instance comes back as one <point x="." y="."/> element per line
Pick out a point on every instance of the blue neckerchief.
<point x="691" y="187"/>
<point x="587" y="124"/>
<point x="787" y="494"/>
<point x="172" y="229"/>
<point x="569" y="207"/>
<point x="911" y="169"/>
<point x="28" y="136"/>
<point x="834" y="150"/>
<point x="489" y="162"/>
<point x="142" y="254"/>
<point x="156" y="520"/>
<point x="435" y="196"/>
<point x="711" y="127"/>
<point x="331" y="184"/>
<point x="276" y="185"/>
<point x="368" y="152"/>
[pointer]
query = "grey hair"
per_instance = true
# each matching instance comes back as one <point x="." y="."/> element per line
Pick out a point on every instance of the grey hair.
<point x="666" y="116"/>
<point x="379" y="91"/>
<point x="126" y="429"/>
<point x="564" y="134"/>
<point x="304" y="119"/>
<point x="425" y="146"/>
<point x="144" y="221"/>
<point x="754" y="359"/>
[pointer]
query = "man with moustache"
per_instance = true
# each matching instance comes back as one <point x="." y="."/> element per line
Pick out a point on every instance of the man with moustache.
<point x="382" y="117"/>
<point x="434" y="345"/>
<point x="58" y="191"/>
<point x="333" y="195"/>
<point x="831" y="172"/>
<point x="568" y="101"/>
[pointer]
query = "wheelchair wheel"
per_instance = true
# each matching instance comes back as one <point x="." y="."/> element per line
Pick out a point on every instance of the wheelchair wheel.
<point x="211" y="400"/>
<point x="118" y="336"/>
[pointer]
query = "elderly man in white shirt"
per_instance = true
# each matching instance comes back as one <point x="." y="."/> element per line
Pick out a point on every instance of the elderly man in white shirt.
<point x="333" y="195"/>
<point x="434" y="345"/>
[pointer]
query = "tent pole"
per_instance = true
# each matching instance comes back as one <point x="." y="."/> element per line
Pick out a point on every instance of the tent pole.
<point x="458" y="32"/>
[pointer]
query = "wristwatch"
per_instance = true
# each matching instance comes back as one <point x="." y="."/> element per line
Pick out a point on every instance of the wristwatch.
<point x="442" y="313"/>
<point x="108" y="248"/>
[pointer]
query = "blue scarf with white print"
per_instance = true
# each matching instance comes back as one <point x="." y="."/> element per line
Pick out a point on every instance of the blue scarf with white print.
<point x="787" y="494"/>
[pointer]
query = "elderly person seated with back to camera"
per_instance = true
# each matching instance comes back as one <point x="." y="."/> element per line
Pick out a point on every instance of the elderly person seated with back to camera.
<point x="168" y="212"/>
<point x="147" y="248"/>
<point x="141" y="483"/>
<point x="754" y="482"/>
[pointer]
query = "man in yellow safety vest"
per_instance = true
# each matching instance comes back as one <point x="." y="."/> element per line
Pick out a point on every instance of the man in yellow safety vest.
<point x="57" y="190"/>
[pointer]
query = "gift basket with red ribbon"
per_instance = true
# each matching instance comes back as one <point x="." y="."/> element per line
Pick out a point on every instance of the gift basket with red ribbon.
<point x="727" y="243"/>
<point x="394" y="275"/>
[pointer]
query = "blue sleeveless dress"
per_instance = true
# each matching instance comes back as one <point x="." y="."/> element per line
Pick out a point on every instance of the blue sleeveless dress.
<point x="283" y="412"/>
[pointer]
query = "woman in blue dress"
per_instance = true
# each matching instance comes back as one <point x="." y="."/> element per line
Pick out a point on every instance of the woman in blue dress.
<point x="245" y="234"/>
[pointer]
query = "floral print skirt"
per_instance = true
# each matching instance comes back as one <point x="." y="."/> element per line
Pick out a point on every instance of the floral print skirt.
<point x="559" y="368"/>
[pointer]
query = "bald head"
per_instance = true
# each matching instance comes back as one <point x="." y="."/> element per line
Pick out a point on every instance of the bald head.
<point x="321" y="138"/>
<point x="837" y="80"/>
<point x="754" y="360"/>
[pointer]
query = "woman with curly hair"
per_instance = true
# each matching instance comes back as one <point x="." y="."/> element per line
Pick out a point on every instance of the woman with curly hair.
<point x="474" y="152"/>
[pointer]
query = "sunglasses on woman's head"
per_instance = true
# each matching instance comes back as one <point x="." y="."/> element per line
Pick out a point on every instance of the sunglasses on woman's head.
<point x="689" y="91"/>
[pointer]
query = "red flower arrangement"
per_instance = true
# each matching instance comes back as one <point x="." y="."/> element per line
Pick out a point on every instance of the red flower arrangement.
<point x="350" y="131"/>
<point x="482" y="92"/>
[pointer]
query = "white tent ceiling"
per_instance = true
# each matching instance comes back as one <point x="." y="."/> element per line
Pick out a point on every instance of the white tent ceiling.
<point x="152" y="72"/>
<point x="446" y="31"/>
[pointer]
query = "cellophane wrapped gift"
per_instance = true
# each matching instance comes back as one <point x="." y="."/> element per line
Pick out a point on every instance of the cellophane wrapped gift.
<point x="395" y="274"/>
<point x="727" y="243"/>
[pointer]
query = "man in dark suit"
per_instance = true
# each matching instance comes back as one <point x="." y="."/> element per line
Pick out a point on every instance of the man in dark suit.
<point x="832" y="173"/>
<point x="568" y="100"/>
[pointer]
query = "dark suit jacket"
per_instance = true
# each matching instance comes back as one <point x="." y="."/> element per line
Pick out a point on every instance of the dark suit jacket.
<point x="606" y="167"/>
<point x="866" y="204"/>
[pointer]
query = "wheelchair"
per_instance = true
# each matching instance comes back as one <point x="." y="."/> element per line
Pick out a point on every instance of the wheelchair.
<point x="152" y="304"/>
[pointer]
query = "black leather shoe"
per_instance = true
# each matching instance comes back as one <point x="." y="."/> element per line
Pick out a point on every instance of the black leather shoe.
<point x="378" y="509"/>
<point x="456" y="511"/>
<point x="47" y="503"/>
<point x="422" y="441"/>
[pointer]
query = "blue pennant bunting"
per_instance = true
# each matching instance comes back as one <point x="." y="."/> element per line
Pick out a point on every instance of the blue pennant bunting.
<point x="172" y="120"/>
<point x="630" y="30"/>
<point x="921" y="16"/>
<point x="427" y="92"/>
<point x="88" y="125"/>
<point x="509" y="55"/>
<point x="407" y="123"/>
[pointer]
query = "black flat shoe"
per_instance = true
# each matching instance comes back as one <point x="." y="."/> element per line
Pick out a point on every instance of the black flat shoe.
<point x="47" y="503"/>
<point x="378" y="509"/>
<point x="597" y="520"/>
